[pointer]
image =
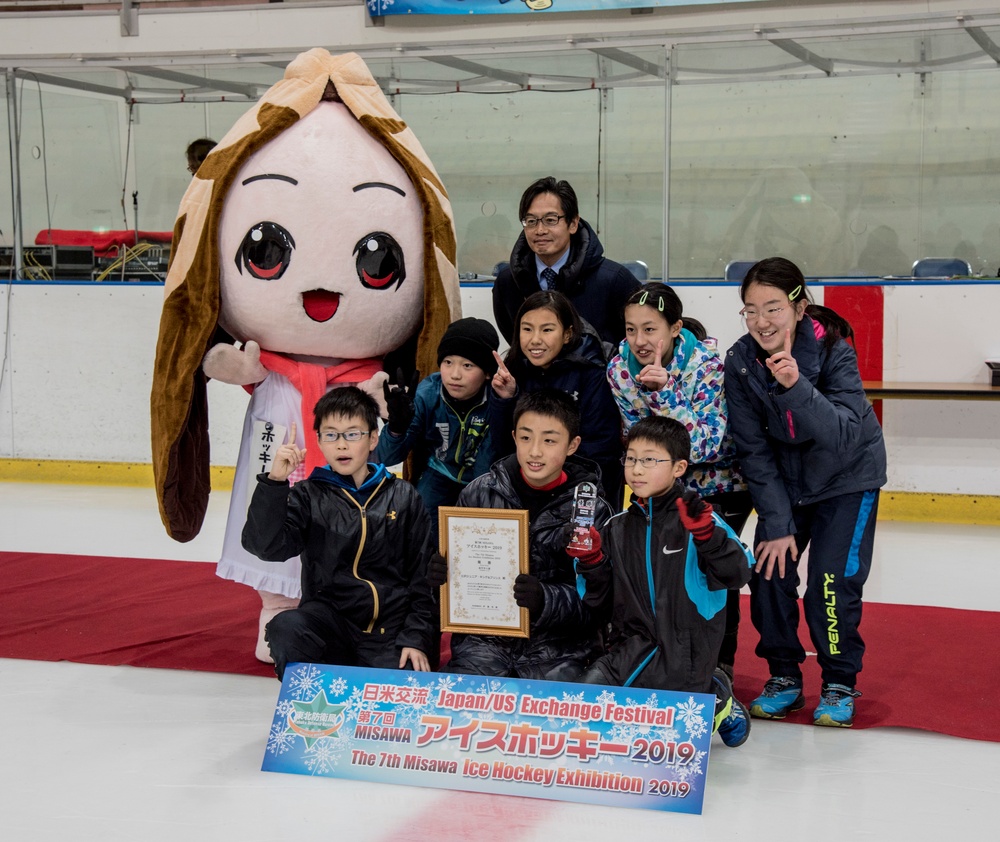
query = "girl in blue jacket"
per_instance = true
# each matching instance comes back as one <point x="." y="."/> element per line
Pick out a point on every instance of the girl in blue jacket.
<point x="555" y="348"/>
<point x="812" y="453"/>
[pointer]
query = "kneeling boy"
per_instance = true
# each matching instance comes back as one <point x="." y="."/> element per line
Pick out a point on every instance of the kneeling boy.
<point x="540" y="477"/>
<point x="363" y="536"/>
<point x="662" y="578"/>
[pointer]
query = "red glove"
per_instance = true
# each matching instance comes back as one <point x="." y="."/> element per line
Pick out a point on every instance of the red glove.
<point x="696" y="515"/>
<point x="587" y="558"/>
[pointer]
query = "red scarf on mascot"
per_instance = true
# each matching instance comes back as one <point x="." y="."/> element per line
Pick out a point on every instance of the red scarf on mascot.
<point x="311" y="380"/>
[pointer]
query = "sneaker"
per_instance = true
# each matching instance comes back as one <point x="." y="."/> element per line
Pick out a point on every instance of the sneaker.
<point x="836" y="706"/>
<point x="735" y="728"/>
<point x="780" y="696"/>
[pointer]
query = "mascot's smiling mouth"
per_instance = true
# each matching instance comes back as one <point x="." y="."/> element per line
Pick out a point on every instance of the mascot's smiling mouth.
<point x="320" y="304"/>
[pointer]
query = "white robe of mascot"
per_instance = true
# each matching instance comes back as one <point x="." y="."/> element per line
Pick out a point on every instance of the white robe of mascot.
<point x="314" y="248"/>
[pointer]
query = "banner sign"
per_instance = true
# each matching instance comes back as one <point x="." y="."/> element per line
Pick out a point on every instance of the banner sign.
<point x="616" y="746"/>
<point x="378" y="8"/>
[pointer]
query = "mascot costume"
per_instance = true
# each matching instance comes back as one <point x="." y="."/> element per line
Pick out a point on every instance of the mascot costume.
<point x="314" y="248"/>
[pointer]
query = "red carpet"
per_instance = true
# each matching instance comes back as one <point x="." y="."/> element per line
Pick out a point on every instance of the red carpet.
<point x="135" y="611"/>
<point x="928" y="668"/>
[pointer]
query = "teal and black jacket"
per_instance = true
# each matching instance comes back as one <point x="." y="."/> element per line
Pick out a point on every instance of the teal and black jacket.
<point x="665" y="596"/>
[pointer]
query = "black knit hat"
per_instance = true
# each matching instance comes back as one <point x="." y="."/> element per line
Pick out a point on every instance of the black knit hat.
<point x="474" y="339"/>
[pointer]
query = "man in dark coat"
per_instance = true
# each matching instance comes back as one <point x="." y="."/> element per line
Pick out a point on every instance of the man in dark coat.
<point x="559" y="250"/>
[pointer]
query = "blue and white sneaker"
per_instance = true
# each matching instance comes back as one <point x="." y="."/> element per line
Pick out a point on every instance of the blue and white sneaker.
<point x="780" y="696"/>
<point x="836" y="706"/>
<point x="735" y="728"/>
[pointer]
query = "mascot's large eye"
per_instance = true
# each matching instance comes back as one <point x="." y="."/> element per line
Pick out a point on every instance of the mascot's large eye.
<point x="379" y="261"/>
<point x="266" y="251"/>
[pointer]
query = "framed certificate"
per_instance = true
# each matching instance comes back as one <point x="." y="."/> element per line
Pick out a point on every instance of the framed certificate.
<point x="486" y="550"/>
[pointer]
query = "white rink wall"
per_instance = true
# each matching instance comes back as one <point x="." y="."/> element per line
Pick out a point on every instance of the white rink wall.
<point x="78" y="358"/>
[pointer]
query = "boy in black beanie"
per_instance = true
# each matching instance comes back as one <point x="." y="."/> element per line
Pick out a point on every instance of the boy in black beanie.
<point x="444" y="419"/>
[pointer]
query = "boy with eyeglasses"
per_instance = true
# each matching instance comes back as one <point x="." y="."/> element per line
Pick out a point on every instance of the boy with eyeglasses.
<point x="558" y="250"/>
<point x="364" y="539"/>
<point x="660" y="571"/>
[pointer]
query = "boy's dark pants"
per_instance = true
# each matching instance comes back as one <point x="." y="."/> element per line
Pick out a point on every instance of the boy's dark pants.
<point x="436" y="490"/>
<point x="840" y="533"/>
<point x="734" y="508"/>
<point x="315" y="633"/>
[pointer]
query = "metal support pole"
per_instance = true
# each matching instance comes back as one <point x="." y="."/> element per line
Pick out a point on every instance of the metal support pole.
<point x="668" y="73"/>
<point x="13" y="132"/>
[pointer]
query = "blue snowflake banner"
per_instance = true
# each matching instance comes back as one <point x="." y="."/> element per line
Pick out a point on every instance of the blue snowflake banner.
<point x="617" y="746"/>
<point x="378" y="8"/>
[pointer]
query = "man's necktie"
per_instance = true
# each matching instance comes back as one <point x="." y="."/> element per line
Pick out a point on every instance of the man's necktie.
<point x="548" y="278"/>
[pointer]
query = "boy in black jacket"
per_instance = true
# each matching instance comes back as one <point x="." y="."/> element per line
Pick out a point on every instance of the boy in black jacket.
<point x="363" y="536"/>
<point x="662" y="578"/>
<point x="541" y="477"/>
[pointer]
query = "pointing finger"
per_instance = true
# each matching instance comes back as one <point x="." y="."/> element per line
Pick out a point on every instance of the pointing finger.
<point x="291" y="434"/>
<point x="658" y="362"/>
<point x="788" y="341"/>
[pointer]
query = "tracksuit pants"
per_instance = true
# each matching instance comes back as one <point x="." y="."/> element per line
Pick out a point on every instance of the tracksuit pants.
<point x="840" y="534"/>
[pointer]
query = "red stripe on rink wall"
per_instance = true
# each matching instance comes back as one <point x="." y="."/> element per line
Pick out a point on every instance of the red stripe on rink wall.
<point x="863" y="307"/>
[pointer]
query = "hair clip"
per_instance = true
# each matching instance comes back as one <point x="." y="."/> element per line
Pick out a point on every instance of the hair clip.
<point x="660" y="305"/>
<point x="795" y="293"/>
<point x="643" y="297"/>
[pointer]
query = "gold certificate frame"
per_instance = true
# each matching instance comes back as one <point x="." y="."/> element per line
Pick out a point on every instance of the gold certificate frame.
<point x="486" y="550"/>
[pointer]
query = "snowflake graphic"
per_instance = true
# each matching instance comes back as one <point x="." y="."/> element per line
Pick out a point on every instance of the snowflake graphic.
<point x="278" y="740"/>
<point x="606" y="698"/>
<point x="689" y="712"/>
<point x="322" y="757"/>
<point x="305" y="682"/>
<point x="379" y="7"/>
<point x="692" y="768"/>
<point x="572" y="697"/>
<point x="355" y="704"/>
<point x="696" y="728"/>
<point x="283" y="709"/>
<point x="445" y="682"/>
<point x="338" y="686"/>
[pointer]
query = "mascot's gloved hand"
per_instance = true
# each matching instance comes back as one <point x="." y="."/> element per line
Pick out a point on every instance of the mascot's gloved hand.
<point x="696" y="515"/>
<point x="528" y="594"/>
<point x="399" y="401"/>
<point x="437" y="570"/>
<point x="587" y="558"/>
<point x="229" y="364"/>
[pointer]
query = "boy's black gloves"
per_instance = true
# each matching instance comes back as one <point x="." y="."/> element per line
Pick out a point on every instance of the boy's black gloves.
<point x="696" y="515"/>
<point x="399" y="402"/>
<point x="437" y="570"/>
<point x="528" y="593"/>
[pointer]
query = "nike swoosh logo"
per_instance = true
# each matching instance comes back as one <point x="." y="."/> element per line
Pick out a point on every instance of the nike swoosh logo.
<point x="671" y="552"/>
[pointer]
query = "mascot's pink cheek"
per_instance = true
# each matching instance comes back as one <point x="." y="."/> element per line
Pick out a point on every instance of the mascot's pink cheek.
<point x="320" y="304"/>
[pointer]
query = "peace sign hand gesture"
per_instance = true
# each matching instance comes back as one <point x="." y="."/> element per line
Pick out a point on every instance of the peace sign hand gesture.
<point x="287" y="458"/>
<point x="782" y="364"/>
<point x="504" y="383"/>
<point x="654" y="376"/>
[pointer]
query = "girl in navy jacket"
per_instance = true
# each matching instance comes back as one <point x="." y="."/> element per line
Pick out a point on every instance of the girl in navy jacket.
<point x="555" y="348"/>
<point x="811" y="450"/>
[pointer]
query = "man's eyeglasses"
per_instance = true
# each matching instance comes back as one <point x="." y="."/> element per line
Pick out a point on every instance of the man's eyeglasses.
<point x="550" y="220"/>
<point x="646" y="461"/>
<point x="330" y="436"/>
<point x="770" y="314"/>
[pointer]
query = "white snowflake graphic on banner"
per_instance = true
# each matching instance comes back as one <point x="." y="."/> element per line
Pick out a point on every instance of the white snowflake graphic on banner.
<point x="305" y="681"/>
